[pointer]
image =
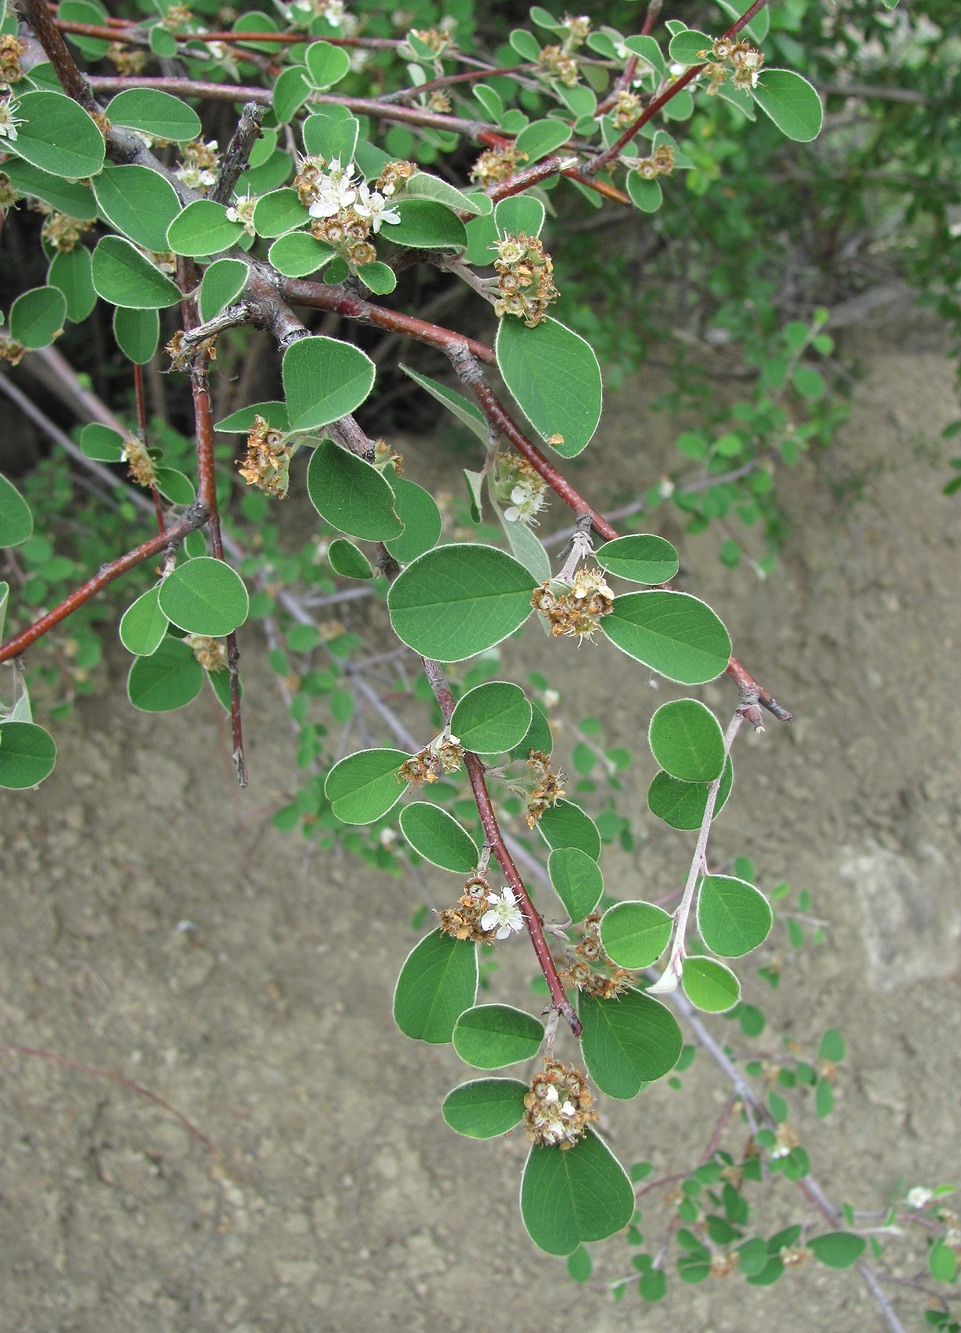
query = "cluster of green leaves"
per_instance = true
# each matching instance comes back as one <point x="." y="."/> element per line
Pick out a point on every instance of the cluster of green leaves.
<point x="451" y="598"/>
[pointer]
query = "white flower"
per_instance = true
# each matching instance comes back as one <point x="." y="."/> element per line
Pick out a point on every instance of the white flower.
<point x="335" y="191"/>
<point x="503" y="913"/>
<point x="527" y="499"/>
<point x="372" y="204"/>
<point x="918" y="1197"/>
<point x="8" y="121"/>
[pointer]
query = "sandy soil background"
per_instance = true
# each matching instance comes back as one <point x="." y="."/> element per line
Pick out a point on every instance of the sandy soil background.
<point x="155" y="925"/>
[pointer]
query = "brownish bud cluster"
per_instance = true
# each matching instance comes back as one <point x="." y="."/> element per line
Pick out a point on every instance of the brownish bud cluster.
<point x="559" y="65"/>
<point x="739" y="59"/>
<point x="525" y="282"/>
<point x="660" y="163"/>
<point x="181" y="356"/>
<point x="576" y="611"/>
<point x="267" y="462"/>
<point x="547" y="790"/>
<point x="439" y="102"/>
<point x="210" y="653"/>
<point x="445" y="755"/>
<point x="496" y="164"/>
<point x="437" y="41"/>
<point x="139" y="463"/>
<point x="11" y="49"/>
<point x="62" y="232"/>
<point x="11" y="351"/>
<point x="177" y="16"/>
<point x="463" y="920"/>
<point x="385" y="456"/>
<point x="557" y="1109"/>
<point x="127" y="59"/>
<point x="606" y="985"/>
<point x="626" y="108"/>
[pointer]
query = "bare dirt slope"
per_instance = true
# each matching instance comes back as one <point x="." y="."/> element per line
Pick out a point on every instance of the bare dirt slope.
<point x="156" y="926"/>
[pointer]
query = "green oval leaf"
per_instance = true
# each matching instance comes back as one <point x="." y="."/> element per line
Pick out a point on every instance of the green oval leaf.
<point x="710" y="985"/>
<point x="425" y="225"/>
<point x="566" y="825"/>
<point x="37" y="316"/>
<point x="16" y="519"/>
<point x="70" y="270"/>
<point x="279" y="212"/>
<point x="223" y="281"/>
<point x="627" y="1042"/>
<point x="577" y="880"/>
<point x="436" y="984"/>
<point x="297" y="254"/>
<point x="541" y="137"/>
<point x="791" y="102"/>
<point x="492" y="717"/>
<point x="274" y="413"/>
<point x="420" y="517"/>
<point x="456" y="601"/>
<point x="202" y="229"/>
<point x="137" y="333"/>
<point x="690" y="47"/>
<point x="687" y="741"/>
<point x="438" y="838"/>
<point x="635" y="934"/>
<point x="539" y="736"/>
<point x="555" y="378"/>
<point x="491" y="1036"/>
<point x="125" y="277"/>
<point x="57" y="135"/>
<point x="169" y="679"/>
<point x="377" y="278"/>
<point x="646" y="195"/>
<point x="143" y="625"/>
<point x="682" y="804"/>
<point x="324" y="379"/>
<point x="839" y="1249"/>
<point x="364" y="786"/>
<point x="673" y="633"/>
<point x="733" y="917"/>
<point x="347" y="559"/>
<point x="486" y="1107"/>
<point x="291" y="91"/>
<point x="137" y="201"/>
<point x="101" y="442"/>
<point x="72" y="197"/>
<point x="204" y="596"/>
<point x="573" y="1195"/>
<point x="643" y="558"/>
<point x="27" y="755"/>
<point x="326" y="64"/>
<point x="351" y="494"/>
<point x="519" y="213"/>
<point x="422" y="185"/>
<point x="156" y="113"/>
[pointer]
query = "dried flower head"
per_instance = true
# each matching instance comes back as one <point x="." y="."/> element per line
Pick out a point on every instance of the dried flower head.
<point x="128" y="60"/>
<point x="496" y="164"/>
<point x="11" y="351"/>
<point x="557" y="1109"/>
<point x="11" y="49"/>
<point x="626" y="109"/>
<point x="62" y="232"/>
<point x="267" y="461"/>
<point x="575" y="611"/>
<point x="210" y="653"/>
<point x="547" y="789"/>
<point x="559" y="65"/>
<point x="140" y="464"/>
<point x="525" y="281"/>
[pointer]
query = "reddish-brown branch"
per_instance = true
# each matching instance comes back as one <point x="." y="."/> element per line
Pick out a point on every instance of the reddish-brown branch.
<point x="195" y="517"/>
<point x="495" y="840"/>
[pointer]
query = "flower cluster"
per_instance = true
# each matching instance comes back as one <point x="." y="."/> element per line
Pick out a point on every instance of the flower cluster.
<point x="139" y="463"/>
<point x="580" y="971"/>
<point x="559" y="65"/>
<point x="11" y="351"/>
<point x="267" y="462"/>
<point x="210" y="653"/>
<point x="438" y="41"/>
<point x="557" y="1109"/>
<point x="62" y="232"/>
<point x="200" y="163"/>
<point x="496" y="164"/>
<point x="344" y="208"/>
<point x="525" y="281"/>
<point x="242" y="210"/>
<point x="547" y="790"/>
<point x="660" y="163"/>
<point x="480" y="914"/>
<point x="127" y="59"/>
<point x="515" y="481"/>
<point x="740" y="59"/>
<point x="11" y="49"/>
<point x="626" y="108"/>
<point x="575" y="611"/>
<point x="8" y="120"/>
<point x="443" y="755"/>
